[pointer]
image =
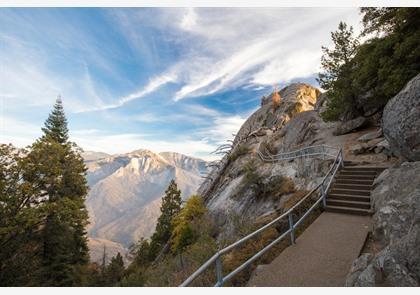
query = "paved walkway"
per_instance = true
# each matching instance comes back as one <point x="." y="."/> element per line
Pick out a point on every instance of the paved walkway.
<point x="322" y="255"/>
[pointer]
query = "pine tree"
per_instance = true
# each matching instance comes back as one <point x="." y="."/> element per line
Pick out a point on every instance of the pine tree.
<point x="337" y="68"/>
<point x="171" y="205"/>
<point x="56" y="164"/>
<point x="114" y="271"/>
<point x="183" y="233"/>
<point x="56" y="124"/>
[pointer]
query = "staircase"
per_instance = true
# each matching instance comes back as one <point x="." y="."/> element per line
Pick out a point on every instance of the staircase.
<point x="350" y="192"/>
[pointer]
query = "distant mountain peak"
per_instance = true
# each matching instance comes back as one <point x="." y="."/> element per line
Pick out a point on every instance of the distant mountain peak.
<point x="126" y="189"/>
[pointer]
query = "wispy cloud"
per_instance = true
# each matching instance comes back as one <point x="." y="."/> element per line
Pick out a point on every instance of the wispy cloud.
<point x="228" y="48"/>
<point x="125" y="74"/>
<point x="153" y="84"/>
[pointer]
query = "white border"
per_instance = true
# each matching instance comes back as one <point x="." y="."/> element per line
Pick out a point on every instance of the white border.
<point x="207" y="3"/>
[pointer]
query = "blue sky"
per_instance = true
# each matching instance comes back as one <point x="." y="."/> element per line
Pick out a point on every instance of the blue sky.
<point x="174" y="79"/>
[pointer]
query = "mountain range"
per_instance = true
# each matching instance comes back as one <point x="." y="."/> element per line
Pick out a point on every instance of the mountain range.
<point x="126" y="190"/>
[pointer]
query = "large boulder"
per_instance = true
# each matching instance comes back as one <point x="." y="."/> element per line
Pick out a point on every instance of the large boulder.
<point x="302" y="128"/>
<point x="396" y="227"/>
<point x="401" y="121"/>
<point x="350" y="125"/>
<point x="371" y="135"/>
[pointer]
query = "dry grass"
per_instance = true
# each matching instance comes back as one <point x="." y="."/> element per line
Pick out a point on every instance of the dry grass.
<point x="240" y="255"/>
<point x="296" y="197"/>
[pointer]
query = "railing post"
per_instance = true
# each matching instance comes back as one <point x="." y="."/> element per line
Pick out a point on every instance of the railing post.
<point x="292" y="229"/>
<point x="219" y="273"/>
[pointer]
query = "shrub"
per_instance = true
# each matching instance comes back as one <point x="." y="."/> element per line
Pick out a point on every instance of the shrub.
<point x="293" y="199"/>
<point x="183" y="234"/>
<point x="239" y="151"/>
<point x="276" y="186"/>
<point x="268" y="146"/>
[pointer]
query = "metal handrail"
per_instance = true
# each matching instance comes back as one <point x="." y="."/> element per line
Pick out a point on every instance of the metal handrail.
<point x="323" y="187"/>
<point x="315" y="150"/>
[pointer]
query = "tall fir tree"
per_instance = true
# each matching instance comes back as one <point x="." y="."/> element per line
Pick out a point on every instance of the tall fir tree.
<point x="171" y="205"/>
<point x="56" y="124"/>
<point x="336" y="75"/>
<point x="56" y="164"/>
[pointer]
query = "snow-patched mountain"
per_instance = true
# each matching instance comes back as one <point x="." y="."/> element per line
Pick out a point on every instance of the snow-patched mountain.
<point x="126" y="191"/>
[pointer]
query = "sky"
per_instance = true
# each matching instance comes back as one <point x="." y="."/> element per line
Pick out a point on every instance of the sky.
<point x="163" y="79"/>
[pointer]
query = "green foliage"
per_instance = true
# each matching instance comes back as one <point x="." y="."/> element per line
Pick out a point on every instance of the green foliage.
<point x="176" y="266"/>
<point x="57" y="166"/>
<point x="171" y="205"/>
<point x="183" y="233"/>
<point x="192" y="244"/>
<point x="43" y="216"/>
<point x="21" y="214"/>
<point x="113" y="273"/>
<point x="389" y="20"/>
<point x="385" y="65"/>
<point x="134" y="274"/>
<point x="56" y="124"/>
<point x="239" y="151"/>
<point x="379" y="68"/>
<point x="337" y="68"/>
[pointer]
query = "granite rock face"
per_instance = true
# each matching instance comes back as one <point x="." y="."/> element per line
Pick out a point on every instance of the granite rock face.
<point x="370" y="135"/>
<point x="348" y="126"/>
<point x="230" y="189"/>
<point x="295" y="98"/>
<point x="396" y="201"/>
<point x="401" y="121"/>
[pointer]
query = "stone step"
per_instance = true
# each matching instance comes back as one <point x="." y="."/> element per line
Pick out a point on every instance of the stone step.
<point x="365" y="168"/>
<point x="364" y="187"/>
<point x="350" y="163"/>
<point x="368" y="173"/>
<point x="355" y="211"/>
<point x="353" y="181"/>
<point x="357" y="177"/>
<point x="348" y="197"/>
<point x="353" y="192"/>
<point x="348" y="204"/>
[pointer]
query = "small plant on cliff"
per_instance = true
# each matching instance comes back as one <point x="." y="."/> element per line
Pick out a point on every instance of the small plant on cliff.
<point x="262" y="185"/>
<point x="278" y="186"/>
<point x="238" y="152"/>
<point x="268" y="146"/>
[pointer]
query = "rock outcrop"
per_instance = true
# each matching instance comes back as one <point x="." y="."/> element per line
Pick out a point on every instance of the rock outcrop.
<point x="401" y="121"/>
<point x="396" y="228"/>
<point x="295" y="98"/>
<point x="245" y="185"/>
<point x="348" y="126"/>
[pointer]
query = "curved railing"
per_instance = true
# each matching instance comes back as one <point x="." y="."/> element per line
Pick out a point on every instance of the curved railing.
<point x="322" y="188"/>
<point x="310" y="151"/>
